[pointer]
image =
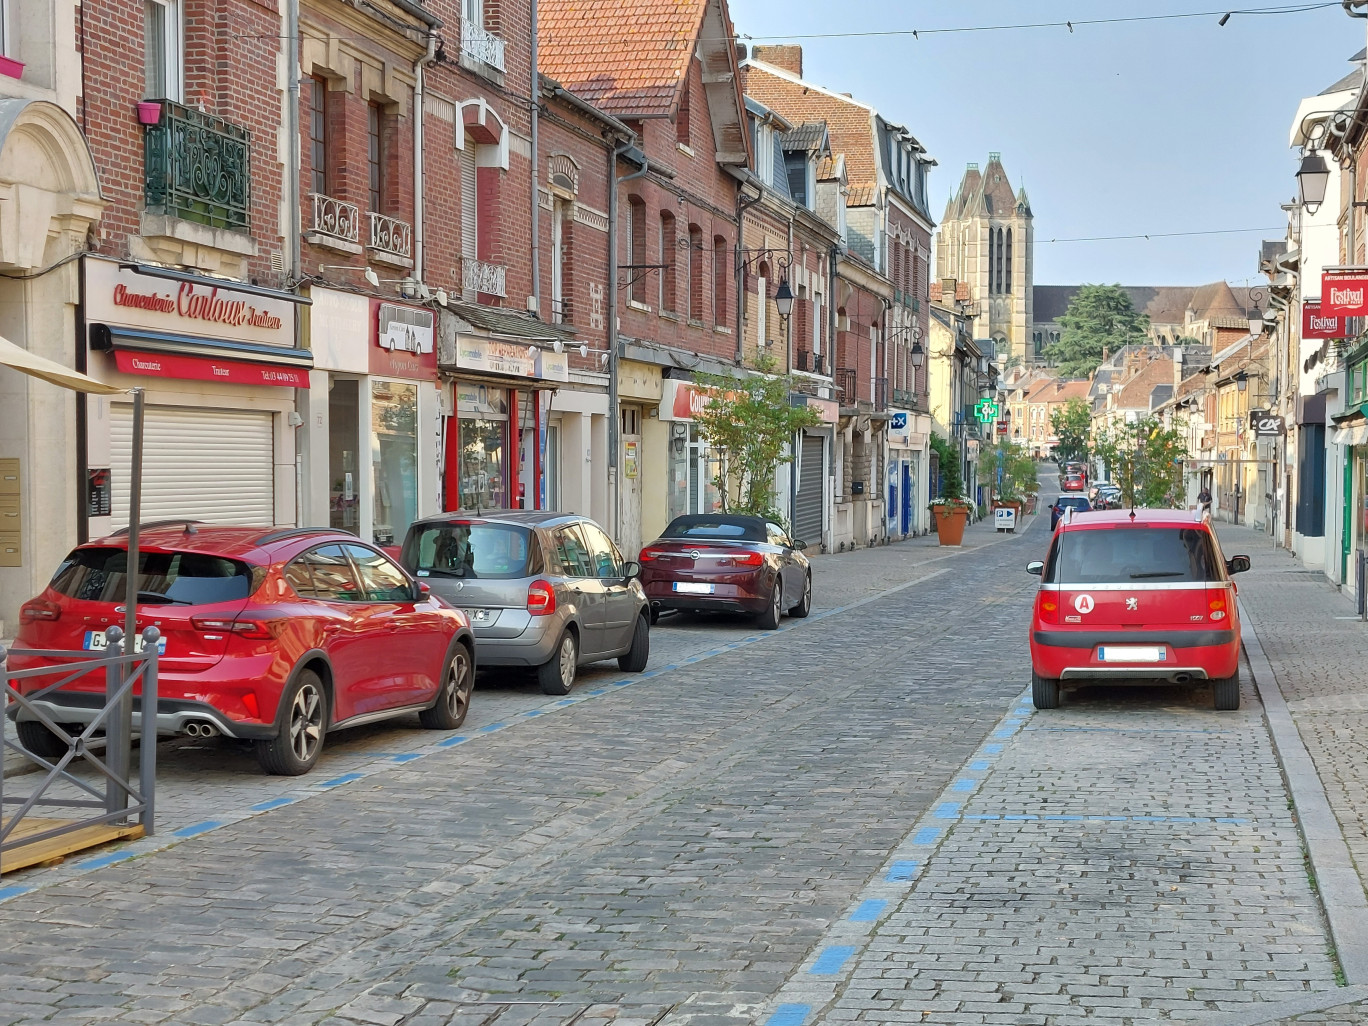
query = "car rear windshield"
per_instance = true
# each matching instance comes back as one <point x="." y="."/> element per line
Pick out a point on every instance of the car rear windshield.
<point x="472" y="549"/>
<point x="1129" y="555"/>
<point x="1076" y="501"/>
<point x="173" y="578"/>
<point x="716" y="527"/>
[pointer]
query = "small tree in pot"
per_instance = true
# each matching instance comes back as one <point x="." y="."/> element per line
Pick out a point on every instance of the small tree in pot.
<point x="951" y="510"/>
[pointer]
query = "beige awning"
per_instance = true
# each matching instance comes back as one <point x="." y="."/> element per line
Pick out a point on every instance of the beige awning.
<point x="1356" y="434"/>
<point x="22" y="360"/>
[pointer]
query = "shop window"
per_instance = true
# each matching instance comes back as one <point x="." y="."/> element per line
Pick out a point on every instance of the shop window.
<point x="720" y="279"/>
<point x="636" y="248"/>
<point x="394" y="459"/>
<point x="344" y="426"/>
<point x="669" y="300"/>
<point x="483" y="444"/>
<point x="162" y="48"/>
<point x="318" y="133"/>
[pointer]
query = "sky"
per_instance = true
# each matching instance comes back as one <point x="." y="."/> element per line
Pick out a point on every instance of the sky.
<point x="1123" y="129"/>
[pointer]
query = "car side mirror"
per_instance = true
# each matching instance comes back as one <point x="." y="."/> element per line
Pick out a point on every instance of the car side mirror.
<point x="422" y="591"/>
<point x="1035" y="567"/>
<point x="631" y="569"/>
<point x="1237" y="564"/>
<point x="799" y="544"/>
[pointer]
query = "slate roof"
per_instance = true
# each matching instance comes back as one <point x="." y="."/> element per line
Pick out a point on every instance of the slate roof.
<point x="1165" y="304"/>
<point x="810" y="136"/>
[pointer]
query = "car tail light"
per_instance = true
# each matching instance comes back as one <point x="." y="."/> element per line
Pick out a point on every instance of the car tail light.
<point x="649" y="554"/>
<point x="1217" y="604"/>
<point x="541" y="599"/>
<point x="39" y="609"/>
<point x="1047" y="607"/>
<point x="256" y="630"/>
<point x="741" y="558"/>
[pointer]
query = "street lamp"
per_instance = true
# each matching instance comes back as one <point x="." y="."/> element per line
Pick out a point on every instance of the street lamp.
<point x="1312" y="179"/>
<point x="783" y="298"/>
<point x="1241" y="381"/>
<point x="918" y="354"/>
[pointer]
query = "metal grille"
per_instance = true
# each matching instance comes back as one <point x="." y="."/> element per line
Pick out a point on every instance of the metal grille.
<point x="197" y="167"/>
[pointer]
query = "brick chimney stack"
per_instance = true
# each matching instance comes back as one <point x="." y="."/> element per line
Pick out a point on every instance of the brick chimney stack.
<point x="786" y="58"/>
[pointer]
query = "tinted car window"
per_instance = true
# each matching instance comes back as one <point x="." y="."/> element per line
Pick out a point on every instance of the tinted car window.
<point x="572" y="552"/>
<point x="383" y="581"/>
<point x="728" y="528"/>
<point x="300" y="579"/>
<point x="181" y="578"/>
<point x="334" y="577"/>
<point x="496" y="552"/>
<point x="1076" y="501"/>
<point x="776" y="535"/>
<point x="1127" y="555"/>
<point x="606" y="561"/>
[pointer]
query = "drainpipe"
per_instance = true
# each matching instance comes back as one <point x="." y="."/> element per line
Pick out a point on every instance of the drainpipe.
<point x="292" y="191"/>
<point x="742" y="204"/>
<point x="614" y="425"/>
<point x="834" y="263"/>
<point x="536" y="172"/>
<point x="418" y="198"/>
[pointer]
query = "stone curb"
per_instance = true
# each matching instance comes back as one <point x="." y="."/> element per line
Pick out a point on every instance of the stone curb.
<point x="1277" y="1012"/>
<point x="1341" y="890"/>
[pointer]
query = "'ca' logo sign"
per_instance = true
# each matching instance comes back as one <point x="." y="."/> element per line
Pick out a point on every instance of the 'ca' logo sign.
<point x="1084" y="603"/>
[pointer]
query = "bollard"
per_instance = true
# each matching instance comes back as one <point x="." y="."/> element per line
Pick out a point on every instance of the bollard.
<point x="118" y="723"/>
<point x="147" y="738"/>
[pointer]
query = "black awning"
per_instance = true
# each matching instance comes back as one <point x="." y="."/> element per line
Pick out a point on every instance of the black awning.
<point x="108" y="336"/>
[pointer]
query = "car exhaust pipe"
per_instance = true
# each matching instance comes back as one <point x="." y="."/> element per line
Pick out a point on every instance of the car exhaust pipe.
<point x="1182" y="678"/>
<point x="194" y="729"/>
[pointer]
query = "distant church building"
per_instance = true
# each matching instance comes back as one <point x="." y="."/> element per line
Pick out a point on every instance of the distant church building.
<point x="986" y="240"/>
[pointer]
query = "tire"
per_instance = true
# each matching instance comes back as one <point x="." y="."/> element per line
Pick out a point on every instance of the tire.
<point x="769" y="620"/>
<point x="804" y="607"/>
<point x="634" y="660"/>
<point x="453" y="700"/>
<point x="295" y="750"/>
<point x="1225" y="692"/>
<point x="1044" y="692"/>
<point x="655" y="615"/>
<point x="557" y="675"/>
<point x="43" y="742"/>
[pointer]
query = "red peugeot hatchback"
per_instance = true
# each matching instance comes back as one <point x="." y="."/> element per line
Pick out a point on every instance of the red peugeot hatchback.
<point x="276" y="636"/>
<point x="1136" y="595"/>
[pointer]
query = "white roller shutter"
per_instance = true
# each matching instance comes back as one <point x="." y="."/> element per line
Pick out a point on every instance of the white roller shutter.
<point x="212" y="465"/>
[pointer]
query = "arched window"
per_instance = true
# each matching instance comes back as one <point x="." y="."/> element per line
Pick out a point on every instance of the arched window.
<point x="669" y="302"/>
<point x="636" y="248"/>
<point x="999" y="261"/>
<point x="1007" y="279"/>
<point x="992" y="247"/>
<point x="721" y="272"/>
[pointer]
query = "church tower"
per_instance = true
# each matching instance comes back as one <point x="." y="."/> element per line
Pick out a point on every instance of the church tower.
<point x="986" y="240"/>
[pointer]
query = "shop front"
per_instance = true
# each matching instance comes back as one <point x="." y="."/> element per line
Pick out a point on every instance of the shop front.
<point x="811" y="475"/>
<point x="219" y="366"/>
<point x="691" y="469"/>
<point x="907" y="472"/>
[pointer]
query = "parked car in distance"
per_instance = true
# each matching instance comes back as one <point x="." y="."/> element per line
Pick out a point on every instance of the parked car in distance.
<point x="719" y="561"/>
<point x="1073" y="482"/>
<point x="545" y="590"/>
<point x="1057" y="508"/>
<point x="274" y="636"/>
<point x="1108" y="496"/>
<point x="1073" y="469"/>
<point x="1136" y="595"/>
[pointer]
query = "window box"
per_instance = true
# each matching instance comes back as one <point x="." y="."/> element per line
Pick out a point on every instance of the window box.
<point x="9" y="66"/>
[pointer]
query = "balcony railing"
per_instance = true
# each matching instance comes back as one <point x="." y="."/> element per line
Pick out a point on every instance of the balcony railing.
<point x="391" y="236"/>
<point x="482" y="45"/>
<point x="880" y="393"/>
<point x="197" y="167"/>
<point x="846" y="378"/>
<point x="904" y="398"/>
<point x="484" y="279"/>
<point x="336" y="218"/>
<point x="561" y="311"/>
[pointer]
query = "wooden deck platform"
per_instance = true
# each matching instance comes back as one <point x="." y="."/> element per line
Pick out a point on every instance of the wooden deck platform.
<point x="48" y="849"/>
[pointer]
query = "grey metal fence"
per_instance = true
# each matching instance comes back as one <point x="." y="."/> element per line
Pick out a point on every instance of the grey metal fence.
<point x="119" y="795"/>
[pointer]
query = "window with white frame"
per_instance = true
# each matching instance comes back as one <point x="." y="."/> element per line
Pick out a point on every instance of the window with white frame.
<point x="474" y="12"/>
<point x="162" y="49"/>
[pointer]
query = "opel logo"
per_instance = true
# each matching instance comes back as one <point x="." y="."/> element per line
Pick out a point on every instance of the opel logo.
<point x="694" y="553"/>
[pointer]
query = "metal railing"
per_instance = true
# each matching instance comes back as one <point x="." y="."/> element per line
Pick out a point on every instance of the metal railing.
<point x="903" y="397"/>
<point x="481" y="44"/>
<point x="197" y="167"/>
<point x="481" y="278"/>
<point x="846" y="386"/>
<point x="122" y="797"/>
<point x="391" y="235"/>
<point x="880" y="393"/>
<point x="561" y="311"/>
<point x="335" y="217"/>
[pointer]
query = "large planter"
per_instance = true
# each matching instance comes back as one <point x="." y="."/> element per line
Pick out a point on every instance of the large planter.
<point x="950" y="521"/>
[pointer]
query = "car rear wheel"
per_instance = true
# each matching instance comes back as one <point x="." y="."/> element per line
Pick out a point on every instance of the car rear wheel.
<point x="1226" y="692"/>
<point x="636" y="657"/>
<point x="453" y="701"/>
<point x="42" y="742"/>
<point x="769" y="619"/>
<point x="295" y="750"/>
<point x="805" y="606"/>
<point x="557" y="675"/>
<point x="1044" y="691"/>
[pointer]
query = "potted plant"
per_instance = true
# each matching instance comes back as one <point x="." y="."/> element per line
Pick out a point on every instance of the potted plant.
<point x="951" y="511"/>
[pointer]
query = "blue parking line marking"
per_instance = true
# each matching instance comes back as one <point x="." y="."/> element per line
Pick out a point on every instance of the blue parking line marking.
<point x="568" y="701"/>
<point x="624" y="683"/>
<point x="1003" y="734"/>
<point x="993" y="749"/>
<point x="947" y="810"/>
<point x="492" y="727"/>
<point x="903" y="869"/>
<point x="345" y="778"/>
<point x="597" y="691"/>
<point x="1066" y="819"/>
<point x="533" y="712"/>
<point x="13" y="892"/>
<point x="926" y="835"/>
<point x="105" y="860"/>
<point x="829" y="962"/>
<point x="869" y="911"/>
<point x="964" y="784"/>
<point x="198" y="828"/>
<point x="979" y="765"/>
<point x="458" y="739"/>
<point x="273" y="803"/>
<point x="789" y="1015"/>
<point x="406" y="757"/>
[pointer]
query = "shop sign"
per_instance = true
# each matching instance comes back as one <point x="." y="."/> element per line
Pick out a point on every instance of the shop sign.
<point x="828" y="409"/>
<point x="1265" y="423"/>
<point x="206" y="368"/>
<point x="1316" y="324"/>
<point x="552" y="366"/>
<point x="490" y="356"/>
<point x="99" y="492"/>
<point x="1344" y="292"/>
<point x="681" y="400"/>
<point x="121" y="296"/>
<point x="899" y="429"/>
<point x="404" y="328"/>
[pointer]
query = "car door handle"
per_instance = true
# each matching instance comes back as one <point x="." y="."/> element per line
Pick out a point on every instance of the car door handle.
<point x="331" y="628"/>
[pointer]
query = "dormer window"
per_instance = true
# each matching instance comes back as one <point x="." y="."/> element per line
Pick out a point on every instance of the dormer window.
<point x="802" y="175"/>
<point x="764" y="152"/>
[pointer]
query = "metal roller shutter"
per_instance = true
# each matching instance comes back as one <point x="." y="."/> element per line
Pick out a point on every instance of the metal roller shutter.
<point x="807" y="513"/>
<point x="212" y="465"/>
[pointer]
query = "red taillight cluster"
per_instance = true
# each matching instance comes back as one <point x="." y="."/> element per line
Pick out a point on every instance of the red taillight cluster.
<point x="541" y="598"/>
<point x="741" y="558"/>
<point x="39" y="609"/>
<point x="1047" y="606"/>
<point x="256" y="630"/>
<point x="649" y="554"/>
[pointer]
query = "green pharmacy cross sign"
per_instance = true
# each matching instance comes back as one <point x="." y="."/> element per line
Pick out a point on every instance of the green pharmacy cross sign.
<point x="986" y="411"/>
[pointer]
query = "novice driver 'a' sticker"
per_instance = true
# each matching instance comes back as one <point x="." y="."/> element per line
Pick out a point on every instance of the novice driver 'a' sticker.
<point x="1084" y="603"/>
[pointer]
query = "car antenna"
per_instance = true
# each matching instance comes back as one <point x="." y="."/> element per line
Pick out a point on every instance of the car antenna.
<point x="190" y="527"/>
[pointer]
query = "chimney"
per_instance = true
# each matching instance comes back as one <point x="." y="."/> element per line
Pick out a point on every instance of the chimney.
<point x="786" y="58"/>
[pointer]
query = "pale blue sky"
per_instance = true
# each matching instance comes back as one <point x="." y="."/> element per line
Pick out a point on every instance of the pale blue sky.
<point x="1153" y="127"/>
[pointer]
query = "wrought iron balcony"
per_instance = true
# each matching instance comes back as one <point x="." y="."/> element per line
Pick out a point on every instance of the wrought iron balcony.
<point x="391" y="236"/>
<point x="904" y="398"/>
<point x="880" y="393"/>
<point x="482" y="278"/>
<point x="198" y="167"/>
<point x="846" y="386"/>
<point x="561" y="311"/>
<point x="479" y="43"/>
<point x="336" y="218"/>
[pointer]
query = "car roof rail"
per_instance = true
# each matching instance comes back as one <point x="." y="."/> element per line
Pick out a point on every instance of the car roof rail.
<point x="1068" y="513"/>
<point x="295" y="532"/>
<point x="188" y="522"/>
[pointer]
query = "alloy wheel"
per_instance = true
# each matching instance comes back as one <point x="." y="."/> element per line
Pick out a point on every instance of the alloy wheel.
<point x="458" y="685"/>
<point x="567" y="660"/>
<point x="306" y="722"/>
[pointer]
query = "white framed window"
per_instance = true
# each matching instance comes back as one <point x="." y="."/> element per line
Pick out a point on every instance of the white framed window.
<point x="473" y="12"/>
<point x="162" y="50"/>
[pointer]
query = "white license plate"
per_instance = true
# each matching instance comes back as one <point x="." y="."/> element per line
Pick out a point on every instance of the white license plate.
<point x="95" y="641"/>
<point x="685" y="588"/>
<point x="1131" y="654"/>
<point x="479" y="615"/>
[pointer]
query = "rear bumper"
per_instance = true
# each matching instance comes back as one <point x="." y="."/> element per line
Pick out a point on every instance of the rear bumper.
<point x="532" y="647"/>
<point x="1190" y="655"/>
<point x="712" y="604"/>
<point x="173" y="714"/>
<point x="743" y="593"/>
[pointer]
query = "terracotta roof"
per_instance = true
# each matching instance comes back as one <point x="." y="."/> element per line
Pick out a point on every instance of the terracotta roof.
<point x="862" y="195"/>
<point x="626" y="57"/>
<point x="849" y="122"/>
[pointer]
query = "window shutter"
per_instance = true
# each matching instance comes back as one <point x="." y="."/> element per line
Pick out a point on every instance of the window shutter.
<point x="470" y="221"/>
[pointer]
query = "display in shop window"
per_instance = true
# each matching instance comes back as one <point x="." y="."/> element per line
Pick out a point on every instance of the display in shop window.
<point x="99" y="492"/>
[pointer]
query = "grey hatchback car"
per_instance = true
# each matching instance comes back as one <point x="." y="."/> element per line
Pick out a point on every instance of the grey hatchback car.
<point x="541" y="589"/>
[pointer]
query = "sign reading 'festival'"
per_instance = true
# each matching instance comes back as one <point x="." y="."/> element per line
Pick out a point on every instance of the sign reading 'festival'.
<point x="1317" y="324"/>
<point x="1344" y="292"/>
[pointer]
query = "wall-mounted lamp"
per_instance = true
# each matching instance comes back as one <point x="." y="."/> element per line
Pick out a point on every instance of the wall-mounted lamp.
<point x="783" y="298"/>
<point x="559" y="347"/>
<point x="918" y="354"/>
<point x="372" y="278"/>
<point x="1312" y="179"/>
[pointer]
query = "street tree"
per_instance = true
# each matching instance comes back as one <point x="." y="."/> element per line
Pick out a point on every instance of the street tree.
<point x="1145" y="459"/>
<point x="1071" y="424"/>
<point x="749" y="425"/>
<point x="1009" y="468"/>
<point x="1100" y="317"/>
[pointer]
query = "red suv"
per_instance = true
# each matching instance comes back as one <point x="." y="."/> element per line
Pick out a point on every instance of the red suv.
<point x="274" y="636"/>
<point x="1131" y="595"/>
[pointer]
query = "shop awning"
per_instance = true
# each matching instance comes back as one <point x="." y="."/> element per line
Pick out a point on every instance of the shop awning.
<point x="500" y="323"/>
<point x="22" y="360"/>
<point x="109" y="336"/>
<point x="205" y="368"/>
<point x="1352" y="434"/>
